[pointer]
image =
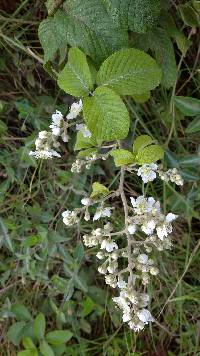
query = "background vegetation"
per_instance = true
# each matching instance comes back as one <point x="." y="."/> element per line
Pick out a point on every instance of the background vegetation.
<point x="44" y="269"/>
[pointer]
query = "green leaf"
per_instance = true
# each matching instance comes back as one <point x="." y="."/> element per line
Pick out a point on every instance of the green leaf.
<point x="75" y="78"/>
<point x="51" y="37"/>
<point x="87" y="25"/>
<point x="122" y="157"/>
<point x="45" y="349"/>
<point x="84" y="142"/>
<point x="106" y="115"/>
<point x="136" y="15"/>
<point x="39" y="326"/>
<point x="31" y="241"/>
<point x="15" y="332"/>
<point x="142" y="141"/>
<point x="28" y="343"/>
<point x="28" y="353"/>
<point x="149" y="154"/>
<point x="194" y="126"/>
<point x="58" y="337"/>
<point x="88" y="152"/>
<point x="21" y="312"/>
<point x="141" y="98"/>
<point x="98" y="189"/>
<point x="160" y="43"/>
<point x="189" y="15"/>
<point x="187" y="105"/>
<point x="129" y="72"/>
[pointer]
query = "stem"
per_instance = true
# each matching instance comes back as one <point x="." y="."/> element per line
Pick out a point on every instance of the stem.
<point x="125" y="205"/>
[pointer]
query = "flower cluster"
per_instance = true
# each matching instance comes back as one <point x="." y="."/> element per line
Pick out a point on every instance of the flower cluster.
<point x="47" y="141"/>
<point x="148" y="173"/>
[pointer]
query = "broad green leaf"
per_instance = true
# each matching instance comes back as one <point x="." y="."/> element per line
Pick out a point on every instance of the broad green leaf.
<point x="39" y="326"/>
<point x="88" y="152"/>
<point x="58" y="337"/>
<point x="136" y="15"/>
<point x="87" y="25"/>
<point x="122" y="157"/>
<point x="149" y="154"/>
<point x="84" y="142"/>
<point x="142" y="141"/>
<point x="46" y="349"/>
<point x="28" y="343"/>
<point x="106" y="115"/>
<point x="129" y="71"/>
<point x="75" y="79"/>
<point x="15" y="332"/>
<point x="98" y="189"/>
<point x="141" y="98"/>
<point x="28" y="353"/>
<point x="160" y="43"/>
<point x="79" y="252"/>
<point x="51" y="37"/>
<point x="194" y="126"/>
<point x="21" y="312"/>
<point x="189" y="16"/>
<point x="187" y="105"/>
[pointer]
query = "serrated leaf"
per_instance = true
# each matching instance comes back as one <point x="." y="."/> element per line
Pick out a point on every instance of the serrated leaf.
<point x="39" y="326"/>
<point x="75" y="79"/>
<point x="160" y="43"/>
<point x="87" y="25"/>
<point x="98" y="189"/>
<point x="84" y="142"/>
<point x="136" y="15"/>
<point x="88" y="152"/>
<point x="187" y="105"/>
<point x="122" y="157"/>
<point x="149" y="154"/>
<point x="58" y="337"/>
<point x="46" y="349"/>
<point x="51" y="37"/>
<point x="189" y="15"/>
<point x="129" y="71"/>
<point x="21" y="312"/>
<point x="106" y="115"/>
<point x="142" y="141"/>
<point x="141" y="98"/>
<point x="194" y="126"/>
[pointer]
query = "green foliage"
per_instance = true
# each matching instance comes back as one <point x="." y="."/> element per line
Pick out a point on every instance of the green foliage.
<point x="84" y="142"/>
<point x="141" y="142"/>
<point x="187" y="105"/>
<point x="106" y="115"/>
<point x="129" y="72"/>
<point x="141" y="98"/>
<point x="194" y="126"/>
<point x="149" y="154"/>
<point x="98" y="189"/>
<point x="39" y="326"/>
<point x="134" y="15"/>
<point x="122" y="157"/>
<point x="46" y="349"/>
<point x="75" y="79"/>
<point x="190" y="14"/>
<point x="58" y="337"/>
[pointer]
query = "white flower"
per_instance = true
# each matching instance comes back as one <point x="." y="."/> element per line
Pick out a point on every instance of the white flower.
<point x="121" y="283"/>
<point x="55" y="130"/>
<point x="148" y="227"/>
<point x="112" y="266"/>
<point x="147" y="172"/>
<point x="145" y="316"/>
<point x="44" y="154"/>
<point x="142" y="205"/>
<point x="86" y="201"/>
<point x="43" y="135"/>
<point x="132" y="229"/>
<point x="75" y="110"/>
<point x="83" y="128"/>
<point x="102" y="213"/>
<point x="136" y="326"/>
<point x="111" y="280"/>
<point x="143" y="258"/>
<point x="171" y="217"/>
<point x="57" y="117"/>
<point x="127" y="315"/>
<point x="70" y="217"/>
<point x="109" y="245"/>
